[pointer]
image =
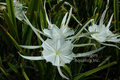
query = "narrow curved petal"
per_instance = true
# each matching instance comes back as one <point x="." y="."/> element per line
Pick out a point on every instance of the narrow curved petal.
<point x="30" y="47"/>
<point x="46" y="14"/>
<point x="64" y="20"/>
<point x="69" y="32"/>
<point x="114" y="40"/>
<point x="94" y="11"/>
<point x="110" y="21"/>
<point x="110" y="45"/>
<point x="53" y="32"/>
<point x="28" y="22"/>
<point x="86" y="34"/>
<point x="82" y="45"/>
<point x="76" y="20"/>
<point x="93" y="28"/>
<point x="3" y="3"/>
<point x="40" y="32"/>
<point x="32" y="57"/>
<point x="82" y="29"/>
<point x="58" y="67"/>
<point x="70" y="13"/>
<point x="88" y="53"/>
<point x="103" y="15"/>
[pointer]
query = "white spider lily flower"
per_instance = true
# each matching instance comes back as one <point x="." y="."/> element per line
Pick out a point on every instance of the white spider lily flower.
<point x="18" y="7"/>
<point x="64" y="30"/>
<point x="19" y="13"/>
<point x="104" y="34"/>
<point x="17" y="3"/>
<point x="54" y="51"/>
<point x="58" y="52"/>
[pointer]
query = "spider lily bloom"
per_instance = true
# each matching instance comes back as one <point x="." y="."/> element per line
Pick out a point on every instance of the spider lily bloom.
<point x="58" y="52"/>
<point x="18" y="7"/>
<point x="54" y="31"/>
<point x="54" y="52"/>
<point x="104" y="34"/>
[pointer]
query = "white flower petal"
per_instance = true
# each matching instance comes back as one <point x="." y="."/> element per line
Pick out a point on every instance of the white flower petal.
<point x="53" y="32"/>
<point x="114" y="40"/>
<point x="82" y="29"/>
<point x="110" y="21"/>
<point x="81" y="45"/>
<point x="64" y="20"/>
<point x="30" y="47"/>
<point x="48" y="52"/>
<point x="3" y="3"/>
<point x="48" y="44"/>
<point x="58" y="67"/>
<point x="50" y="58"/>
<point x="110" y="45"/>
<point x="88" y="53"/>
<point x="94" y="11"/>
<point x="57" y="61"/>
<point x="66" y="48"/>
<point x="28" y="22"/>
<point x="46" y="14"/>
<point x="93" y="28"/>
<point x="66" y="59"/>
<point x="70" y="13"/>
<point x="32" y="57"/>
<point x="103" y="14"/>
<point x="86" y="34"/>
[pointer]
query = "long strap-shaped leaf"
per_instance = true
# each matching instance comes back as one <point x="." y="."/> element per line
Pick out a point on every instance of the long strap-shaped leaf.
<point x="11" y="26"/>
<point x="11" y="11"/>
<point x="87" y="73"/>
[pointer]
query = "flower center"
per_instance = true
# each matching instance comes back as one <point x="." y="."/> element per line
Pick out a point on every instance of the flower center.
<point x="96" y="36"/>
<point x="57" y="52"/>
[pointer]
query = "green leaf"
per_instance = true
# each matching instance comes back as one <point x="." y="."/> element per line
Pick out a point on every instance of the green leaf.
<point x="24" y="74"/>
<point x="87" y="73"/>
<point x="116" y="13"/>
<point x="33" y="6"/>
<point x="13" y="68"/>
<point x="5" y="37"/>
<point x="11" y="12"/>
<point x="104" y="61"/>
<point x="57" y="16"/>
<point x="40" y="70"/>
<point x="42" y="16"/>
<point x="11" y="27"/>
<point x="6" y="73"/>
<point x="68" y="70"/>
